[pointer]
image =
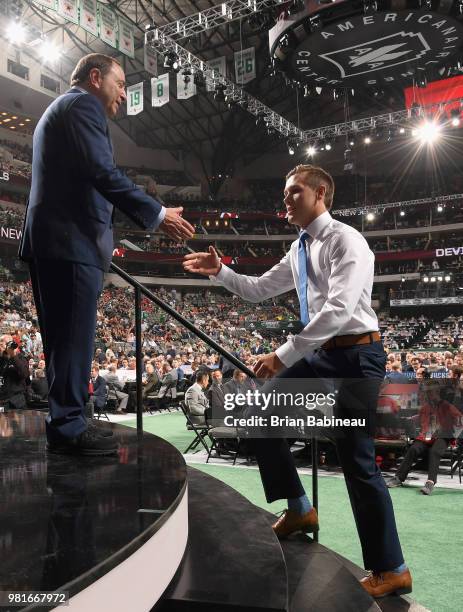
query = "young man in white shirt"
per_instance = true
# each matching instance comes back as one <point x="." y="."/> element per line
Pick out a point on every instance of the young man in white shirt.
<point x="332" y="269"/>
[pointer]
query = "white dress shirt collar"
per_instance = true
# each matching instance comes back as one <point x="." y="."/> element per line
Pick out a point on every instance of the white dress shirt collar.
<point x="318" y="225"/>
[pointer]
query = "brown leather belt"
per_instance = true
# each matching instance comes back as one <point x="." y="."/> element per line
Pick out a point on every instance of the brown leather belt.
<point x="352" y="340"/>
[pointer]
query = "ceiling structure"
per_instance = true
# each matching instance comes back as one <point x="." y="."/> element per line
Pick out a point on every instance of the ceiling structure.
<point x="203" y="126"/>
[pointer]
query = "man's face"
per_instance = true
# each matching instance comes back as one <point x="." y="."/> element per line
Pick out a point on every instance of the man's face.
<point x="303" y="204"/>
<point x="240" y="377"/>
<point x="111" y="90"/>
<point x="217" y="376"/>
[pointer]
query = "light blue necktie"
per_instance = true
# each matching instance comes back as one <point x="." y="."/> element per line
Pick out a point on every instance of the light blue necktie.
<point x="303" y="278"/>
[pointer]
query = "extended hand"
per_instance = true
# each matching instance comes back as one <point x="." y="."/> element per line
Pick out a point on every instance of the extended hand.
<point x="268" y="365"/>
<point x="203" y="263"/>
<point x="175" y="226"/>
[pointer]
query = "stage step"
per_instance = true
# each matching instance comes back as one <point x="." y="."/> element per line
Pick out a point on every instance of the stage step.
<point x="234" y="562"/>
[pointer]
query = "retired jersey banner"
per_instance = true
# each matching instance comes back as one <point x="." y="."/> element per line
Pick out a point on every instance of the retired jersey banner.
<point x="51" y="4"/>
<point x="68" y="9"/>
<point x="185" y="89"/>
<point x="88" y="16"/>
<point x="126" y="40"/>
<point x="135" y="99"/>
<point x="108" y="25"/>
<point x="218" y="65"/>
<point x="150" y="60"/>
<point x="245" y="65"/>
<point x="160" y="90"/>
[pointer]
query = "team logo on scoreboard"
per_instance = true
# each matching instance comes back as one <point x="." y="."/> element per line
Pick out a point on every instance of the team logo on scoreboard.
<point x="365" y="49"/>
<point x="385" y="52"/>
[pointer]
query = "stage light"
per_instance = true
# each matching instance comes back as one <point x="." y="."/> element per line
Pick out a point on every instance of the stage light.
<point x="219" y="92"/>
<point x="433" y="279"/>
<point x="260" y="120"/>
<point x="440" y="279"/>
<point x="16" y="33"/>
<point x="291" y="149"/>
<point x="426" y="279"/>
<point x="370" y="217"/>
<point x="199" y="79"/>
<point x="402" y="130"/>
<point x="328" y="146"/>
<point x="402" y="213"/>
<point x="171" y="61"/>
<point x="311" y="151"/>
<point x="49" y="51"/>
<point x="440" y="208"/>
<point x="447" y="278"/>
<point x="455" y="117"/>
<point x="428" y="132"/>
<point x="403" y="279"/>
<point x="367" y="140"/>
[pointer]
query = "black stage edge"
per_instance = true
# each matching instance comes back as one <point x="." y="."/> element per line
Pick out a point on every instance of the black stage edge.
<point x="77" y="523"/>
<point x="233" y="562"/>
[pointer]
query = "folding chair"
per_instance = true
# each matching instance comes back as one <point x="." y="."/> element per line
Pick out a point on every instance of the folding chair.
<point x="217" y="434"/>
<point x="200" y="430"/>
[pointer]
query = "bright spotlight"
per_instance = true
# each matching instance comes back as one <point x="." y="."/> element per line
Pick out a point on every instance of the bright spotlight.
<point x="402" y="213"/>
<point x="428" y="132"/>
<point x="455" y="122"/>
<point x="49" y="51"/>
<point x="447" y="278"/>
<point x="440" y="279"/>
<point x="16" y="33"/>
<point x="426" y="279"/>
<point x="433" y="279"/>
<point x="367" y="140"/>
<point x="440" y="208"/>
<point x="311" y="151"/>
<point x="328" y="146"/>
<point x="370" y="216"/>
<point x="402" y="130"/>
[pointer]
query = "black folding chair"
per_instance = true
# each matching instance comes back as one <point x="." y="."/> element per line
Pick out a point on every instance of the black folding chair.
<point x="200" y="430"/>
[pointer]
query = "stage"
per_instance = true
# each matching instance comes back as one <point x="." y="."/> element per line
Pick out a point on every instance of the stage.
<point x="140" y="531"/>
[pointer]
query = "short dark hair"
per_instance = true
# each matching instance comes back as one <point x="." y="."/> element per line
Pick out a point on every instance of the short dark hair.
<point x="314" y="177"/>
<point x="201" y="375"/>
<point x="81" y="72"/>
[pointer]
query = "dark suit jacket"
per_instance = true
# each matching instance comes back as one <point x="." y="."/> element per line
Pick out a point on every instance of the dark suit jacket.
<point x="216" y="397"/>
<point x="75" y="184"/>
<point x="153" y="383"/>
<point x="99" y="392"/>
<point x="39" y="388"/>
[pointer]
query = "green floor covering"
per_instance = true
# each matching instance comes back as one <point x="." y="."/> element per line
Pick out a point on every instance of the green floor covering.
<point x="430" y="528"/>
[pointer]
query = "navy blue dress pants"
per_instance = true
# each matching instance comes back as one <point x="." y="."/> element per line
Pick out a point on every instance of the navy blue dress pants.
<point x="66" y="295"/>
<point x="361" y="370"/>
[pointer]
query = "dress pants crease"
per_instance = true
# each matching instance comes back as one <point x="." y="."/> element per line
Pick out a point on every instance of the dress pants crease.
<point x="66" y="295"/>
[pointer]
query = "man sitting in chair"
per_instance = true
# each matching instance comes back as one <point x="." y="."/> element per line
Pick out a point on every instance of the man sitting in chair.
<point x="115" y="387"/>
<point x="438" y="421"/>
<point x="99" y="393"/>
<point x="195" y="398"/>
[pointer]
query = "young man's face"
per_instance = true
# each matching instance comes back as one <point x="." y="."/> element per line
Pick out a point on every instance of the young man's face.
<point x="303" y="204"/>
<point x="111" y="90"/>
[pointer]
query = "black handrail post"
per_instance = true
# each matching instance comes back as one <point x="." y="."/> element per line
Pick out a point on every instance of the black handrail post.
<point x="314" y="446"/>
<point x="139" y="358"/>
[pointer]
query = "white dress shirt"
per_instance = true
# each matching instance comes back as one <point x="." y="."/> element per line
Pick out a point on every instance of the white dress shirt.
<point x="340" y="271"/>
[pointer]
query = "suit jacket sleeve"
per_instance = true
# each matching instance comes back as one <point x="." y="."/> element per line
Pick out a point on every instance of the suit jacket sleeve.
<point x="88" y="138"/>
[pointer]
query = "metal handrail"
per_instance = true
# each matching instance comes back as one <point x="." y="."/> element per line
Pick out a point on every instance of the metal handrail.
<point x="141" y="289"/>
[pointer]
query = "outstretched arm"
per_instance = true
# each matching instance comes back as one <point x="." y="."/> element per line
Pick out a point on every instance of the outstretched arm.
<point x="275" y="281"/>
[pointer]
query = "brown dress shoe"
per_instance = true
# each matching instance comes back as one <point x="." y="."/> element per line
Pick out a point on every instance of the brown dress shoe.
<point x="291" y="521"/>
<point x="381" y="584"/>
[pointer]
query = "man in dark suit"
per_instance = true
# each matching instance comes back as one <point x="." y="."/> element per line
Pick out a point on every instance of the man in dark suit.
<point x="99" y="395"/>
<point x="216" y="396"/>
<point x="39" y="386"/>
<point x="68" y="238"/>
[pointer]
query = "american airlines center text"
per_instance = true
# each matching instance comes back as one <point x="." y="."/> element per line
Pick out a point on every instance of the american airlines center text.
<point x="370" y="49"/>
